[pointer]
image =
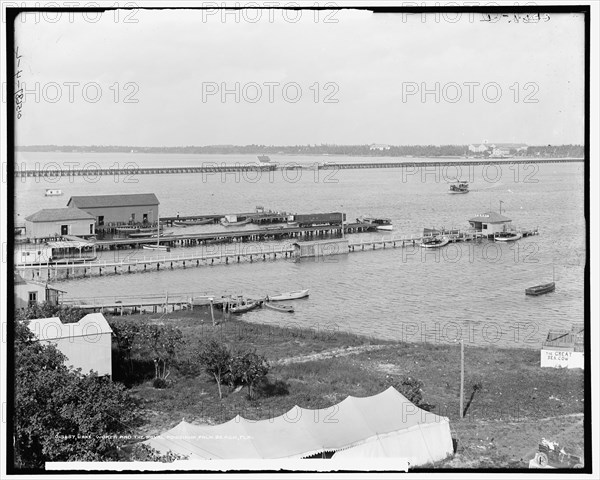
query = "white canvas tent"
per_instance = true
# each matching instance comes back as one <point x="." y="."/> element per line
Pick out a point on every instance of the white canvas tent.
<point x="384" y="425"/>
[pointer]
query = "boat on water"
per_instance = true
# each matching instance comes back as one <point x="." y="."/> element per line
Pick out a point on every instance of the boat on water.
<point x="232" y="221"/>
<point x="459" y="187"/>
<point x="540" y="289"/>
<point x="157" y="246"/>
<point x="288" y="296"/>
<point x="379" y="223"/>
<point x="52" y="192"/>
<point x="279" y="308"/>
<point x="507" y="236"/>
<point x="434" y="242"/>
<point x="187" y="223"/>
<point x="264" y="159"/>
<point x="244" y="306"/>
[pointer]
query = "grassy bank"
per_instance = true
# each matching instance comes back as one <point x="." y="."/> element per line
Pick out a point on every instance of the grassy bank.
<point x="511" y="402"/>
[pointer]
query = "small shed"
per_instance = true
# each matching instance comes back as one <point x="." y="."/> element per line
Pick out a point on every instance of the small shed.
<point x="490" y="223"/>
<point x="321" y="248"/>
<point x="86" y="344"/>
<point x="58" y="222"/>
<point x="28" y="293"/>
<point x="118" y="209"/>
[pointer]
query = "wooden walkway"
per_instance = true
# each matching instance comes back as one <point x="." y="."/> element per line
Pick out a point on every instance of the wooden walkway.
<point x="262" y="253"/>
<point x="212" y="167"/>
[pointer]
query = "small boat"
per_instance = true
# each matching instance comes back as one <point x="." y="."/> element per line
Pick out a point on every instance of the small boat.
<point x="293" y="224"/>
<point x="379" y="223"/>
<point x="434" y="242"/>
<point x="186" y="223"/>
<point x="244" y="307"/>
<point x="459" y="187"/>
<point x="264" y="159"/>
<point x="232" y="221"/>
<point x="50" y="192"/>
<point x="288" y="296"/>
<point x="540" y="289"/>
<point x="160" y="248"/>
<point x="507" y="236"/>
<point x="279" y="308"/>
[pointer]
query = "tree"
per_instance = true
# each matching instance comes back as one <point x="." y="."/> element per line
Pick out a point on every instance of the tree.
<point x="66" y="313"/>
<point x="216" y="359"/>
<point x="60" y="414"/>
<point x="161" y="343"/>
<point x="247" y="368"/>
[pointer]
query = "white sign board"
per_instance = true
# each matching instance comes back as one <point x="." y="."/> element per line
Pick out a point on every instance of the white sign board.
<point x="561" y="359"/>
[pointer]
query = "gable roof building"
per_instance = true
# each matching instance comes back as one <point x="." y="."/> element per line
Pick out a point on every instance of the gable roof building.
<point x="119" y="209"/>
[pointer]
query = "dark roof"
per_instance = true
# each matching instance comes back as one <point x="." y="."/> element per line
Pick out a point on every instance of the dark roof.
<point x="58" y="214"/>
<point x="490" y="217"/>
<point x="129" y="200"/>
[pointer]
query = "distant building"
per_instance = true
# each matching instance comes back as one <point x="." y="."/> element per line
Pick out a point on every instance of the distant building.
<point x="490" y="222"/>
<point x="86" y="344"/>
<point x="118" y="209"/>
<point x="58" y="222"/>
<point x="478" y="148"/>
<point x="379" y="146"/>
<point x="28" y="293"/>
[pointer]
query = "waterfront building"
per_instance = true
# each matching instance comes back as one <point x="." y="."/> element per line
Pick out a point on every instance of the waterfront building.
<point x="86" y="344"/>
<point x="490" y="223"/>
<point x="118" y="209"/>
<point x="29" y="292"/>
<point x="379" y="146"/>
<point x="58" y="222"/>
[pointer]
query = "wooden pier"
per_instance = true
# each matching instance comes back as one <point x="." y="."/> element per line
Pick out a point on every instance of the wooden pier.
<point x="41" y="272"/>
<point x="213" y="168"/>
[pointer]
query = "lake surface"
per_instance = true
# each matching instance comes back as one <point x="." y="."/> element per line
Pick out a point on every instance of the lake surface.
<point x="472" y="290"/>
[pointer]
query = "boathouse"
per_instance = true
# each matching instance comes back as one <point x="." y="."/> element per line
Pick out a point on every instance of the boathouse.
<point x="86" y="344"/>
<point x="58" y="222"/>
<point x="321" y="248"/>
<point x="118" y="209"/>
<point x="490" y="223"/>
<point x="29" y="293"/>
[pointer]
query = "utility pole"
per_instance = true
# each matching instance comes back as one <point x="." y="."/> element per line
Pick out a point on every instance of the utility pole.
<point x="462" y="375"/>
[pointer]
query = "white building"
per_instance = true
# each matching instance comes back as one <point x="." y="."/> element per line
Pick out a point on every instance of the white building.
<point x="28" y="292"/>
<point x="490" y="223"/>
<point x="86" y="344"/>
<point x="379" y="146"/>
<point x="58" y="222"/>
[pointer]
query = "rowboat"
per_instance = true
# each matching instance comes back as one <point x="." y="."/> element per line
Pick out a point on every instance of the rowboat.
<point x="244" y="307"/>
<point x="288" y="296"/>
<point x="435" y="242"/>
<point x="279" y="308"/>
<point x="507" y="236"/>
<point x="160" y="248"/>
<point x="540" y="289"/>
<point x="53" y="192"/>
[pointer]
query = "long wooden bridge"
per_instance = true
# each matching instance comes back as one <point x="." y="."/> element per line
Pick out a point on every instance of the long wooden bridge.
<point x="254" y="169"/>
<point x="256" y="253"/>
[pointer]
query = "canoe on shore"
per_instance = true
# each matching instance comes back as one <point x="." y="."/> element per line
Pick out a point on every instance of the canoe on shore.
<point x="288" y="296"/>
<point x="279" y="308"/>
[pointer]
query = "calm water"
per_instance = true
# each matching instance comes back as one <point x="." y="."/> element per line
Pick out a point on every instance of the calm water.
<point x="473" y="290"/>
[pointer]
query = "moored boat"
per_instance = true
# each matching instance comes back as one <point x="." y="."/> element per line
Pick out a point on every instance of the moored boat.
<point x="52" y="192"/>
<point x="264" y="159"/>
<point x="232" y="221"/>
<point x="434" y="242"/>
<point x="160" y="248"/>
<point x="540" y="289"/>
<point x="246" y="306"/>
<point x="288" y="296"/>
<point x="507" y="236"/>
<point x="459" y="187"/>
<point x="186" y="223"/>
<point x="379" y="223"/>
<point x="279" y="308"/>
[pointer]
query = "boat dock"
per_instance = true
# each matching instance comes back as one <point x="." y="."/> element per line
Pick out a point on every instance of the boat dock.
<point x="213" y="168"/>
<point x="135" y="264"/>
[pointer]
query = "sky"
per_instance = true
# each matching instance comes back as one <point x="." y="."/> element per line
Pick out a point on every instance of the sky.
<point x="191" y="77"/>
